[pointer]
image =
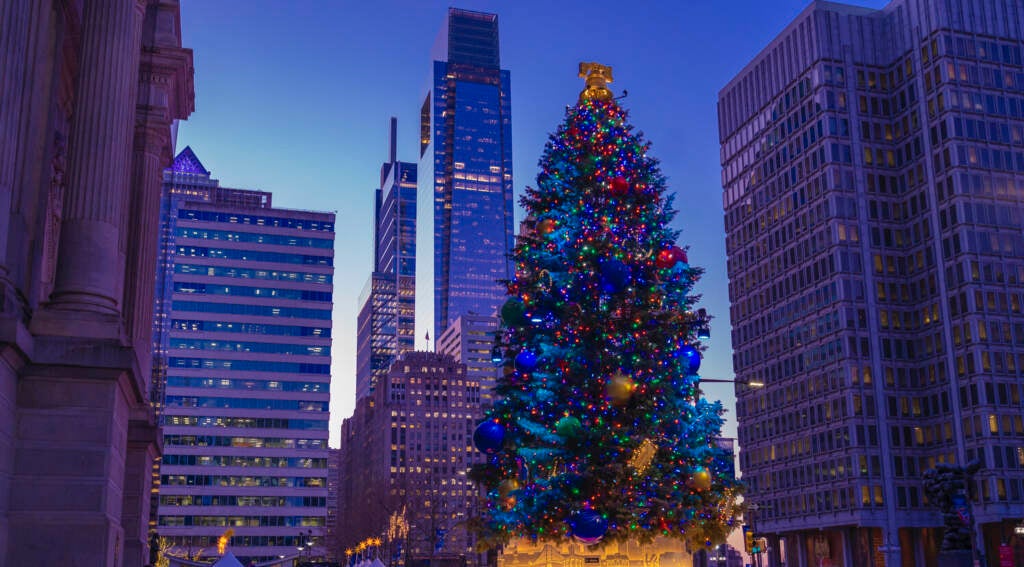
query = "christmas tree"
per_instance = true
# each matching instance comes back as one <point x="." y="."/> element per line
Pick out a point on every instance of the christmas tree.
<point x="600" y="432"/>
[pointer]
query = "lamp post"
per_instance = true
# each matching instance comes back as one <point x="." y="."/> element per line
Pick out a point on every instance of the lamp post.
<point x="741" y="381"/>
<point x="750" y="384"/>
<point x="305" y="541"/>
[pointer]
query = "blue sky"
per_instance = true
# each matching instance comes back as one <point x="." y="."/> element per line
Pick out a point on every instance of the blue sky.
<point x="294" y="97"/>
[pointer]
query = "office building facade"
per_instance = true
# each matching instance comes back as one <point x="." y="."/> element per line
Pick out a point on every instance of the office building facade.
<point x="465" y="192"/>
<point x="470" y="341"/>
<point x="406" y="452"/>
<point x="386" y="320"/>
<point x="90" y="94"/>
<point x="873" y="175"/>
<point x="243" y="336"/>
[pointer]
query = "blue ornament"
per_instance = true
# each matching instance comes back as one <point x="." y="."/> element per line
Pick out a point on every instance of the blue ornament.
<point x="692" y="358"/>
<point x="526" y="361"/>
<point x="615" y="275"/>
<point x="588" y="526"/>
<point x="489" y="437"/>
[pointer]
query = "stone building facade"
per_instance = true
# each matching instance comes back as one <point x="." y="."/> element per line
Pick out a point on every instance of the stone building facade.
<point x="873" y="175"/>
<point x="405" y="455"/>
<point x="90" y="94"/>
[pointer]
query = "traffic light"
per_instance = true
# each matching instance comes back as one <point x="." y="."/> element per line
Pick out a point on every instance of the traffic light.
<point x="752" y="543"/>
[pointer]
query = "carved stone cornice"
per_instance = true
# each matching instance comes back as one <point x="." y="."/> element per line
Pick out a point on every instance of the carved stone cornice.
<point x="164" y="63"/>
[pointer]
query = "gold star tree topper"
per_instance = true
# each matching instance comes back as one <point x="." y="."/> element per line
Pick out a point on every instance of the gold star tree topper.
<point x="598" y="76"/>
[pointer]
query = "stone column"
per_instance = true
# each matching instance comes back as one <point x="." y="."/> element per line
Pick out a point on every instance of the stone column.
<point x="15" y="20"/>
<point x="143" y="449"/>
<point x="90" y="271"/>
<point x="165" y="94"/>
<point x="19" y="30"/>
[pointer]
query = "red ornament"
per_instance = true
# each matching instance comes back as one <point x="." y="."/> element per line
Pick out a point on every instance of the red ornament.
<point x="619" y="186"/>
<point x="666" y="259"/>
<point x="680" y="254"/>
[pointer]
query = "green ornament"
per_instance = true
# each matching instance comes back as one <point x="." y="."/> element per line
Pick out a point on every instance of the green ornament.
<point x="568" y="427"/>
<point x="513" y="313"/>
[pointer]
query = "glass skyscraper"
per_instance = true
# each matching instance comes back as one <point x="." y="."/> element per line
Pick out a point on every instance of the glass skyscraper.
<point x="465" y="193"/>
<point x="873" y="171"/>
<point x="386" y="320"/>
<point x="242" y="353"/>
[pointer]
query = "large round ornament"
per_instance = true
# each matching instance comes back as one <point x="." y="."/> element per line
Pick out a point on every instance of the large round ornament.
<point x="618" y="186"/>
<point x="692" y="358"/>
<point x="568" y="427"/>
<point x="588" y="526"/>
<point x="614" y="274"/>
<point x="546" y="227"/>
<point x="665" y="259"/>
<point x="513" y="313"/>
<point x="507" y="486"/>
<point x="680" y="254"/>
<point x="489" y="437"/>
<point x="620" y="388"/>
<point x="701" y="480"/>
<point x="526" y="361"/>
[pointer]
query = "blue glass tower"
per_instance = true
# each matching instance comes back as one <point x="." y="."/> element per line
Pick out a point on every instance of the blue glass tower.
<point x="386" y="320"/>
<point x="464" y="220"/>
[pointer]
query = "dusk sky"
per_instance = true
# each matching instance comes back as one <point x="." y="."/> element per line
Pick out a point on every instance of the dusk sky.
<point x="294" y="97"/>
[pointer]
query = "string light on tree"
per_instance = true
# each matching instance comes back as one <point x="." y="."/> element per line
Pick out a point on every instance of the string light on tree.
<point x="603" y="434"/>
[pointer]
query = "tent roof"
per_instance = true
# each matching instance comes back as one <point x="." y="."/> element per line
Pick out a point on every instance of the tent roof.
<point x="229" y="560"/>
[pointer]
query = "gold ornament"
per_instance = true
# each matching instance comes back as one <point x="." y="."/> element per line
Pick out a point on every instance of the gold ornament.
<point x="546" y="226"/>
<point x="507" y="486"/>
<point x="701" y="480"/>
<point x="620" y="388"/>
<point x="598" y="76"/>
<point x="642" y="456"/>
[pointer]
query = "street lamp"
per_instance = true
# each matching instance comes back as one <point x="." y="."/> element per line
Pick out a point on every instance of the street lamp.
<point x="305" y="541"/>
<point x="742" y="381"/>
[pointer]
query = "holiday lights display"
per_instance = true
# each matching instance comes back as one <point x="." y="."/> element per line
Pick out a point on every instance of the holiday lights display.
<point x="599" y="432"/>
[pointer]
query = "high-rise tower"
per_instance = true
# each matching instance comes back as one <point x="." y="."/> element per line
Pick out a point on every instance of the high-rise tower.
<point x="243" y="346"/>
<point x="465" y="194"/>
<point x="873" y="171"/>
<point x="387" y="305"/>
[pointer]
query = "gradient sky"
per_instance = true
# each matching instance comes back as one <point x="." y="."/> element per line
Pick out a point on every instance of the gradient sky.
<point x="294" y="97"/>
